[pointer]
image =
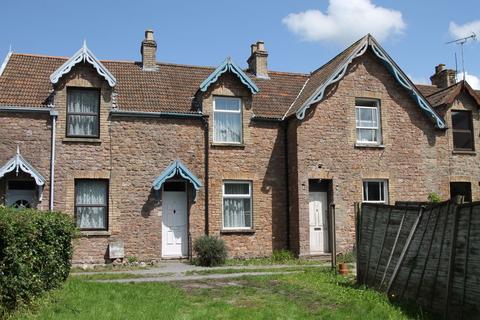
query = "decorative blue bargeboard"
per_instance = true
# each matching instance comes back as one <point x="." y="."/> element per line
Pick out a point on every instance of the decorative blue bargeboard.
<point x="177" y="168"/>
<point x="83" y="55"/>
<point x="229" y="66"/>
<point x="402" y="79"/>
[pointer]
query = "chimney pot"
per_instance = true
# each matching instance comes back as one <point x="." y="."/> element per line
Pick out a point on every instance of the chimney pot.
<point x="148" y="50"/>
<point x="257" y="63"/>
<point x="439" y="68"/>
<point x="443" y="77"/>
<point x="260" y="46"/>
<point x="149" y="34"/>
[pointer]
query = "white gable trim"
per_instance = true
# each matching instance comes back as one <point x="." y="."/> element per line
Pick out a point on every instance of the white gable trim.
<point x="4" y="64"/>
<point x="399" y="75"/>
<point x="83" y="55"/>
<point x="18" y="163"/>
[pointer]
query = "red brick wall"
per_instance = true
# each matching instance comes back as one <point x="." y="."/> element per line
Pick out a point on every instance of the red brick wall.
<point x="32" y="133"/>
<point x="259" y="159"/>
<point x="326" y="147"/>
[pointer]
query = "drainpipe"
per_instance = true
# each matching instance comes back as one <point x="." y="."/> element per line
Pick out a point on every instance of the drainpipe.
<point x="206" y="146"/>
<point x="54" y="115"/>
<point x="287" y="179"/>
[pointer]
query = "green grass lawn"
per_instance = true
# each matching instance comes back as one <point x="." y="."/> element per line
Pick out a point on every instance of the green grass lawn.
<point x="306" y="295"/>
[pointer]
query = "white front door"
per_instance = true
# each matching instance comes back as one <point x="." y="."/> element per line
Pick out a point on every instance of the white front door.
<point x="318" y="216"/>
<point x="174" y="224"/>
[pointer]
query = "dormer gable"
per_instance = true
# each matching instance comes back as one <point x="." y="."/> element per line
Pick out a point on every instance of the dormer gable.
<point x="229" y="66"/>
<point x="83" y="55"/>
<point x="333" y="71"/>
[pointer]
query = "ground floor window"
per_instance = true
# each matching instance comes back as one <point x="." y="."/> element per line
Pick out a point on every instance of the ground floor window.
<point x="375" y="191"/>
<point x="237" y="205"/>
<point x="463" y="189"/>
<point x="91" y="204"/>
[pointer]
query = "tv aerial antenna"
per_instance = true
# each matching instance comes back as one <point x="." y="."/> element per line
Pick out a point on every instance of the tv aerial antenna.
<point x="461" y="42"/>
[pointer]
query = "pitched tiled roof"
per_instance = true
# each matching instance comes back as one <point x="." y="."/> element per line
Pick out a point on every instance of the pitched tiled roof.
<point x="318" y="77"/>
<point x="25" y="82"/>
<point x="427" y="89"/>
<point x="449" y="94"/>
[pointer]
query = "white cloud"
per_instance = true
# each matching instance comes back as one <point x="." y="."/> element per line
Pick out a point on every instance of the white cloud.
<point x="464" y="30"/>
<point x="346" y="21"/>
<point x="472" y="80"/>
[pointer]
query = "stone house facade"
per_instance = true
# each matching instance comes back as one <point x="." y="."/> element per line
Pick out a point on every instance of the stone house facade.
<point x="149" y="156"/>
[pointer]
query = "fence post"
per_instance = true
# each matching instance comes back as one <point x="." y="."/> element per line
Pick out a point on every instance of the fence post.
<point x="357" y="209"/>
<point x="333" y="237"/>
<point x="404" y="251"/>
<point x="451" y="262"/>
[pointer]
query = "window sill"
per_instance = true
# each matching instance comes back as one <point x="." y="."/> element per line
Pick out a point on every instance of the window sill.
<point x="237" y="231"/>
<point x="95" y="233"/>
<point x="366" y="145"/>
<point x="82" y="140"/>
<point x="467" y="152"/>
<point x="228" y="145"/>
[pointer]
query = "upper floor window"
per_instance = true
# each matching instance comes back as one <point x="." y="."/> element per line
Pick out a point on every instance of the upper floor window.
<point x="91" y="204"/>
<point x="367" y="116"/>
<point x="375" y="191"/>
<point x="462" y="130"/>
<point x="237" y="205"/>
<point x="83" y="112"/>
<point x="227" y="120"/>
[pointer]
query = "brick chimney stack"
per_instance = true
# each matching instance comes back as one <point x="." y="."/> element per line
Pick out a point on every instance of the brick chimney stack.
<point x="257" y="63"/>
<point x="443" y="77"/>
<point x="149" y="52"/>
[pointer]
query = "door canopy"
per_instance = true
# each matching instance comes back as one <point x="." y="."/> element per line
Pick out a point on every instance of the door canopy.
<point x="176" y="168"/>
<point x="18" y="163"/>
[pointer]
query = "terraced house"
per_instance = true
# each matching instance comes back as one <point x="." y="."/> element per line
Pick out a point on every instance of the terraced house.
<point x="147" y="156"/>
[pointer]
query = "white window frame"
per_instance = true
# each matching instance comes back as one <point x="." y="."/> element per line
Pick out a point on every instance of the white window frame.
<point x="237" y="196"/>
<point x="365" y="192"/>
<point x="228" y="111"/>
<point x="367" y="104"/>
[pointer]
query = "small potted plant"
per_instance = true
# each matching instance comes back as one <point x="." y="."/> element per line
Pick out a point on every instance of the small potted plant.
<point x="343" y="259"/>
<point x="343" y="268"/>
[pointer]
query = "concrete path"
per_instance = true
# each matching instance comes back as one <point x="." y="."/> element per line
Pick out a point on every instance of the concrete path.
<point x="182" y="277"/>
<point x="178" y="271"/>
<point x="181" y="268"/>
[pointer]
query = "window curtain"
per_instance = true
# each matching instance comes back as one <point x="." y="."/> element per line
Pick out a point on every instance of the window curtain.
<point x="237" y="212"/>
<point x="91" y="204"/>
<point x="367" y="125"/>
<point x="83" y="101"/>
<point x="228" y="126"/>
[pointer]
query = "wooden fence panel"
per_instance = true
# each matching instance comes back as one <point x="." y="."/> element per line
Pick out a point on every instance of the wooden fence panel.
<point x="430" y="256"/>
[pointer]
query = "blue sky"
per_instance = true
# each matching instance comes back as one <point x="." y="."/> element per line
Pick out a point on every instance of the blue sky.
<point x="205" y="32"/>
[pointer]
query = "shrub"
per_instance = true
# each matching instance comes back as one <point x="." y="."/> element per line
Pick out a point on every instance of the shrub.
<point x="281" y="256"/>
<point x="434" y="197"/>
<point x="35" y="254"/>
<point x="210" y="250"/>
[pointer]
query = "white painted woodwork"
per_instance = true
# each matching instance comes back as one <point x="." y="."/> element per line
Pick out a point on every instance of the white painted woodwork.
<point x="174" y="224"/>
<point x="318" y="222"/>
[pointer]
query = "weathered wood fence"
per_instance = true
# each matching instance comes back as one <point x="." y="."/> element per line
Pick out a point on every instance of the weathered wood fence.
<point x="425" y="255"/>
